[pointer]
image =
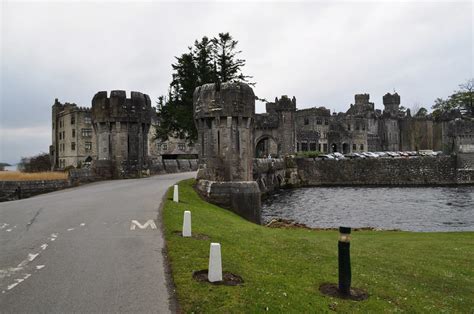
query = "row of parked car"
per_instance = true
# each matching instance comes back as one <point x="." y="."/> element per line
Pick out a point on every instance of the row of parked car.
<point x="410" y="154"/>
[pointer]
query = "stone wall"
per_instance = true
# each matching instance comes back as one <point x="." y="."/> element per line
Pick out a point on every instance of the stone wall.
<point x="272" y="174"/>
<point x="82" y="175"/>
<point x="382" y="171"/>
<point x="9" y="189"/>
<point x="9" y="192"/>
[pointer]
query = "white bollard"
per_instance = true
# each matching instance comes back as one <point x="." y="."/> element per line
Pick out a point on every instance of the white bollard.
<point x="215" y="263"/>
<point x="175" y="194"/>
<point x="187" y="224"/>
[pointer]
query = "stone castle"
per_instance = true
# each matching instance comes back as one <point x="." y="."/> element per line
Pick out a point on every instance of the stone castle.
<point x="117" y="133"/>
<point x="233" y="139"/>
<point x="283" y="129"/>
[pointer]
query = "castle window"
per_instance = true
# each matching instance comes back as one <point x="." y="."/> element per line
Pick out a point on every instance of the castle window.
<point x="325" y="148"/>
<point x="60" y="135"/>
<point x="304" y="146"/>
<point x="312" y="146"/>
<point x="86" y="132"/>
<point x="361" y="146"/>
<point x="88" y="146"/>
<point x="238" y="141"/>
<point x="319" y="147"/>
<point x="73" y="132"/>
<point x="349" y="127"/>
<point x="73" y="145"/>
<point x="73" y="119"/>
<point x="64" y="135"/>
<point x="306" y="121"/>
<point x="164" y="146"/>
<point x="181" y="146"/>
<point x="87" y="120"/>
<point x="319" y="121"/>
<point x="354" y="146"/>
<point x="326" y="122"/>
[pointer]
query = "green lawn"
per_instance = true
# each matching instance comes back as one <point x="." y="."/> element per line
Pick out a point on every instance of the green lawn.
<point x="283" y="268"/>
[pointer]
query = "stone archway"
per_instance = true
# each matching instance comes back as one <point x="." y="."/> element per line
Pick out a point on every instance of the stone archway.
<point x="266" y="145"/>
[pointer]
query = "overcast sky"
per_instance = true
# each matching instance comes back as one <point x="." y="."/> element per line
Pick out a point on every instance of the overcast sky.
<point x="320" y="52"/>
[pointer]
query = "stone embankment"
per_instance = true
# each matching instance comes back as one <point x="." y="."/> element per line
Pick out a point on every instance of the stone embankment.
<point x="272" y="174"/>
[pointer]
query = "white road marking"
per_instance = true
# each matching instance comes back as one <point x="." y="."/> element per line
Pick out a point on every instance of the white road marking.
<point x="3" y="226"/>
<point x="70" y="229"/>
<point x="8" y="230"/>
<point x="53" y="236"/>
<point x="150" y="223"/>
<point x="18" y="281"/>
<point x="8" y="272"/>
<point x="82" y="224"/>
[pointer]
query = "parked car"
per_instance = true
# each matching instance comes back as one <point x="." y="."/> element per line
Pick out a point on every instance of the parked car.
<point x="370" y="154"/>
<point x="359" y="155"/>
<point x="328" y="156"/>
<point x="338" y="155"/>
<point x="393" y="154"/>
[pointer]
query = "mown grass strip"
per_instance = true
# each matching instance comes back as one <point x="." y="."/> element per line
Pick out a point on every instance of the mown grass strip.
<point x="283" y="268"/>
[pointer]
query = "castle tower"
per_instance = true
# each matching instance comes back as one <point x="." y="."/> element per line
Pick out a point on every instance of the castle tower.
<point x="391" y="103"/>
<point x="361" y="99"/>
<point x="224" y="119"/>
<point x="121" y="125"/>
<point x="224" y="115"/>
<point x="286" y="109"/>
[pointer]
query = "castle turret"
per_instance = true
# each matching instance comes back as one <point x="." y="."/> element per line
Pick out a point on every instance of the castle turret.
<point x="391" y="103"/>
<point x="224" y="119"/>
<point x="121" y="125"/>
<point x="224" y="116"/>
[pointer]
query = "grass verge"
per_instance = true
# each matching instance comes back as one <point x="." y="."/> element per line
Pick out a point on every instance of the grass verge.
<point x="283" y="268"/>
<point x="24" y="176"/>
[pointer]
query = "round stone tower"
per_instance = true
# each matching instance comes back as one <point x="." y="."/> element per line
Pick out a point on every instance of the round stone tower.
<point x="121" y="125"/>
<point x="224" y="115"/>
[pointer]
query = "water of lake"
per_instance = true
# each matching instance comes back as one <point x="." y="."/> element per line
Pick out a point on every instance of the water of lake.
<point x="411" y="209"/>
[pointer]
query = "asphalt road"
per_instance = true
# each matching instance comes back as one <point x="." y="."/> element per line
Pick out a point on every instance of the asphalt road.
<point x="74" y="250"/>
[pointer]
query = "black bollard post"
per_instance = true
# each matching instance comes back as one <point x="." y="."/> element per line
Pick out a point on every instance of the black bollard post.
<point x="18" y="192"/>
<point x="344" y="256"/>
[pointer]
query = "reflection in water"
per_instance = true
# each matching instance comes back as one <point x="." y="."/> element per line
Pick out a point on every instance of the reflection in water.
<point x="412" y="209"/>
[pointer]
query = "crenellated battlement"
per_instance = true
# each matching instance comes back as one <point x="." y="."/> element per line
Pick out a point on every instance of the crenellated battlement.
<point x="391" y="99"/>
<point x="119" y="108"/>
<point x="361" y="99"/>
<point x="229" y="99"/>
<point x="60" y="108"/>
<point x="282" y="104"/>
